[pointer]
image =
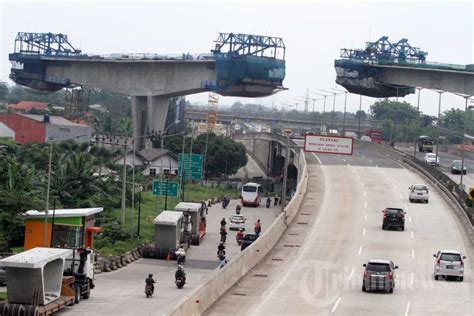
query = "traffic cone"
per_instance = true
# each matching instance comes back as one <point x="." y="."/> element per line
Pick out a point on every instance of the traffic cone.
<point x="168" y="257"/>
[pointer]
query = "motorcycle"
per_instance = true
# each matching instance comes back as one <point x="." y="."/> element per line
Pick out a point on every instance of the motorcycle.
<point x="225" y="202"/>
<point x="180" y="281"/>
<point x="148" y="290"/>
<point x="181" y="259"/>
<point x="269" y="202"/>
<point x="223" y="238"/>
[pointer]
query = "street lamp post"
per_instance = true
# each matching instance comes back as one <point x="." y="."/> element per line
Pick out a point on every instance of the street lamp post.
<point x="360" y="112"/>
<point x="48" y="188"/>
<point x="416" y="122"/>
<point x="463" y="141"/>
<point x="439" y="121"/>
<point x="285" y="173"/>
<point x="162" y="137"/>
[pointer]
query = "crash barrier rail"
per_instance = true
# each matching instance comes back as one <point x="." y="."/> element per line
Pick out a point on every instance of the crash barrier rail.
<point x="219" y="281"/>
<point x="448" y="189"/>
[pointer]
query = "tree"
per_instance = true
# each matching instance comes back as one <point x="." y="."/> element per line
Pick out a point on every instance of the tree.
<point x="3" y="91"/>
<point x="19" y="193"/>
<point x="224" y="155"/>
<point x="360" y="115"/>
<point x="393" y="111"/>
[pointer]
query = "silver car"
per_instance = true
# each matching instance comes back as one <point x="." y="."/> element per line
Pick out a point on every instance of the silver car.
<point x="379" y="275"/>
<point x="431" y="159"/>
<point x="449" y="263"/>
<point x="419" y="192"/>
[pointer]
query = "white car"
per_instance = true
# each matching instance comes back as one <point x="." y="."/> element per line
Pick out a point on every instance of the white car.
<point x="237" y="222"/>
<point x="449" y="263"/>
<point x="419" y="192"/>
<point x="366" y="138"/>
<point x="431" y="159"/>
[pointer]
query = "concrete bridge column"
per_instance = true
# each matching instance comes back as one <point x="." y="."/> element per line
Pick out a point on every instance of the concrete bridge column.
<point x="148" y="114"/>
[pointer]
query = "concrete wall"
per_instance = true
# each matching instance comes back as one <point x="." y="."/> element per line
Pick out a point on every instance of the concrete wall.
<point x="451" y="81"/>
<point x="135" y="77"/>
<point x="219" y="281"/>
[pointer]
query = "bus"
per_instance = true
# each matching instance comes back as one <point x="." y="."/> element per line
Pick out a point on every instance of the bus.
<point x="251" y="194"/>
<point x="425" y="144"/>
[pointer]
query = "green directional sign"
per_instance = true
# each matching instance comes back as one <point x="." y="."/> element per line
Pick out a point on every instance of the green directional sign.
<point x="165" y="188"/>
<point x="190" y="166"/>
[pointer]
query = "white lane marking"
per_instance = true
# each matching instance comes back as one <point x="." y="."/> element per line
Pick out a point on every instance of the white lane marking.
<point x="349" y="164"/>
<point x="406" y="206"/>
<point x="358" y="177"/>
<point x="363" y="232"/>
<point x="343" y="160"/>
<point x="407" y="310"/>
<point x="409" y="219"/>
<point x="350" y="275"/>
<point x="411" y="235"/>
<point x="365" y="194"/>
<point x="365" y="204"/>
<point x="401" y="196"/>
<point x="360" y="251"/>
<point x="335" y="305"/>
<point x="413" y="253"/>
<point x="412" y="277"/>
<point x="370" y="161"/>
<point x="365" y="216"/>
<point x="376" y="166"/>
<point x="319" y="160"/>
<point x="353" y="170"/>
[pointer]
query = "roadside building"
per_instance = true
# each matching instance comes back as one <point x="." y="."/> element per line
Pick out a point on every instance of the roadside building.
<point x="29" y="128"/>
<point x="152" y="159"/>
<point x="27" y="106"/>
<point x="6" y="132"/>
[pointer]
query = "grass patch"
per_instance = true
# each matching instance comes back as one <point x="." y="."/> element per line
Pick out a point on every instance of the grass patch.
<point x="151" y="206"/>
<point x="3" y="296"/>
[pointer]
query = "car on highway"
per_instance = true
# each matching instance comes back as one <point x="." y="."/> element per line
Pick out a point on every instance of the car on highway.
<point x="419" y="192"/>
<point x="393" y="218"/>
<point x="237" y="222"/>
<point x="449" y="263"/>
<point x="431" y="159"/>
<point x="379" y="275"/>
<point x="247" y="241"/>
<point x="457" y="166"/>
<point x="366" y="138"/>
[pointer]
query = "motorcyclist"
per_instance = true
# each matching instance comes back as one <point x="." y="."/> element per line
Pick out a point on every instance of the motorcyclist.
<point x="180" y="273"/>
<point x="269" y="201"/>
<point x="223" y="223"/>
<point x="237" y="209"/>
<point x="181" y="254"/>
<point x="275" y="203"/>
<point x="220" y="249"/>
<point x="222" y="261"/>
<point x="150" y="281"/>
<point x="239" y="236"/>
<point x="223" y="234"/>
<point x="258" y="227"/>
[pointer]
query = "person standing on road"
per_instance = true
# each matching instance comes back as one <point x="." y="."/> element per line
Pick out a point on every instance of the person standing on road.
<point x="258" y="227"/>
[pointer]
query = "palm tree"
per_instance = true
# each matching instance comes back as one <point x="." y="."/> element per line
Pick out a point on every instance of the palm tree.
<point x="18" y="194"/>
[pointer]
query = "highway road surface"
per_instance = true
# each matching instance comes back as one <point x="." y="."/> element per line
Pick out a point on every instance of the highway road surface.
<point x="121" y="292"/>
<point x="445" y="160"/>
<point x="321" y="272"/>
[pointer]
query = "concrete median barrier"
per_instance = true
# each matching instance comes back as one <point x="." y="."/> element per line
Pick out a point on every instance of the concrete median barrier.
<point x="219" y="281"/>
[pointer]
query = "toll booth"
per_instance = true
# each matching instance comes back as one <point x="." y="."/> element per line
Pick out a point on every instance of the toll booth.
<point x="194" y="221"/>
<point x="167" y="233"/>
<point x="64" y="228"/>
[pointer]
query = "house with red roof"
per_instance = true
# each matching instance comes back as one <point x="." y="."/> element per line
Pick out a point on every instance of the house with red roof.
<point x="26" y="106"/>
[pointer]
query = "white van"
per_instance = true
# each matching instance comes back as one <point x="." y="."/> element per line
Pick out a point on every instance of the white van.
<point x="251" y="194"/>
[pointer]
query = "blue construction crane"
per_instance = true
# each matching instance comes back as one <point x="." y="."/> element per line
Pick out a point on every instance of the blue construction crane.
<point x="248" y="65"/>
<point x="48" y="44"/>
<point x="356" y="73"/>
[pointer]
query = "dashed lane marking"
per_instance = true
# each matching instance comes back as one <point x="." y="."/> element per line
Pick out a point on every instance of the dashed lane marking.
<point x="351" y="274"/>
<point x="411" y="235"/>
<point x="360" y="251"/>
<point x="335" y="305"/>
<point x="407" y="310"/>
<point x="363" y="232"/>
<point x="413" y="254"/>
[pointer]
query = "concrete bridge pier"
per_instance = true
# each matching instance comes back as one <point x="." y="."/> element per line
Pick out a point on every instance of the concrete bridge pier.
<point x="148" y="114"/>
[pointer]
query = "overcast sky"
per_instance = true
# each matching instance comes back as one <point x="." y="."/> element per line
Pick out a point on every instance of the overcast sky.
<point x="313" y="33"/>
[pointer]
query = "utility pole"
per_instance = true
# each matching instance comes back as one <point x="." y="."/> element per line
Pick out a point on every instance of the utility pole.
<point x="124" y="186"/>
<point x="416" y="122"/>
<point x="463" y="143"/>
<point x="285" y="172"/>
<point x="360" y="112"/>
<point x="47" y="196"/>
<point x="344" y="116"/>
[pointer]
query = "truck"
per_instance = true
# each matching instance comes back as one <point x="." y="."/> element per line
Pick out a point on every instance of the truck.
<point x="425" y="144"/>
<point x="374" y="134"/>
<point x="42" y="281"/>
